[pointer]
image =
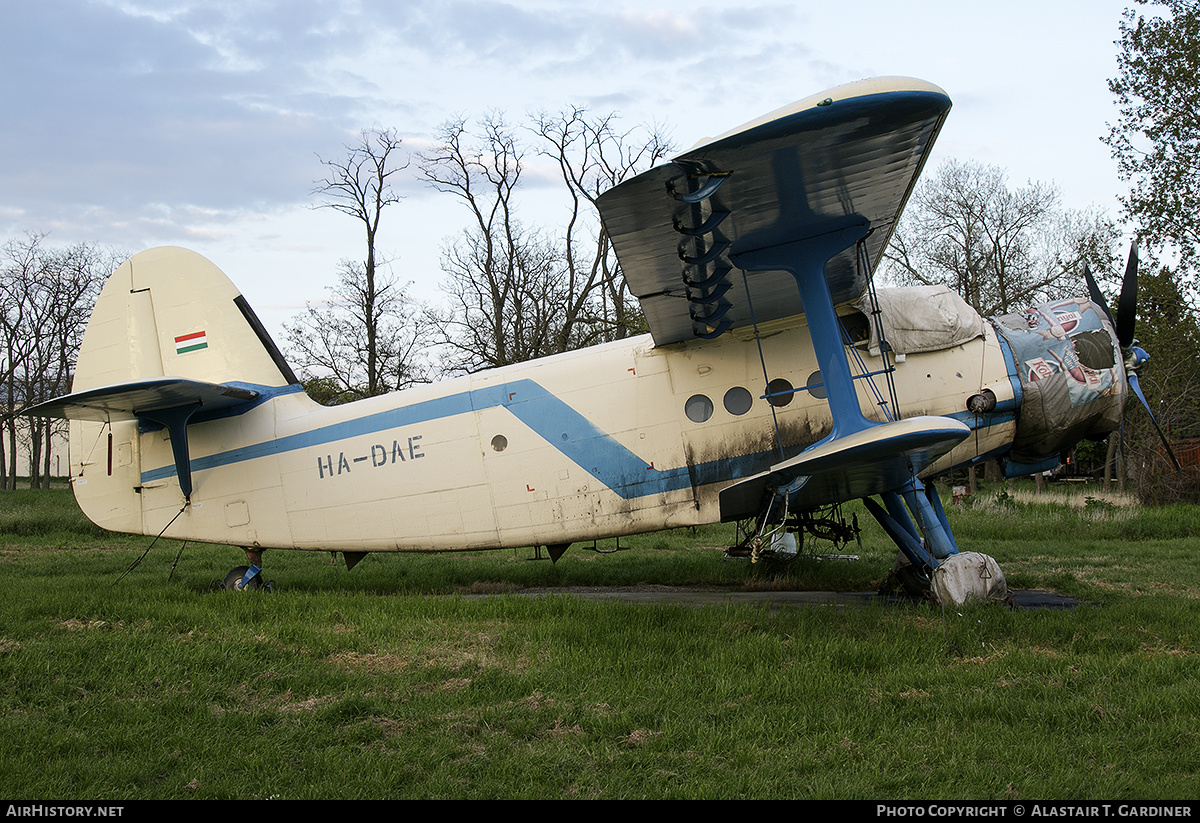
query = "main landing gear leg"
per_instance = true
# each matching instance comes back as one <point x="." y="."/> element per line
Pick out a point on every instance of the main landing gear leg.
<point x="913" y="517"/>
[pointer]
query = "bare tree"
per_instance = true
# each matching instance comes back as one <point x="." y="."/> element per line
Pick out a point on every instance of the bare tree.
<point x="999" y="248"/>
<point x="46" y="296"/>
<point x="502" y="279"/>
<point x="367" y="340"/>
<point x="21" y="263"/>
<point x="593" y="156"/>
<point x="367" y="336"/>
<point x="518" y="292"/>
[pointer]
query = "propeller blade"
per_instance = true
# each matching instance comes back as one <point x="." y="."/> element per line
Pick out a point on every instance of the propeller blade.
<point x="1095" y="295"/>
<point x="1137" y="389"/>
<point x="1127" y="303"/>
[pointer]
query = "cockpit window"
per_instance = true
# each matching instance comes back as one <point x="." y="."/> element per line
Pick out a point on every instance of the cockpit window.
<point x="857" y="327"/>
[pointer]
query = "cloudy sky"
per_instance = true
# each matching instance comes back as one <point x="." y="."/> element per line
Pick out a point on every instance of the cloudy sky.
<point x="136" y="123"/>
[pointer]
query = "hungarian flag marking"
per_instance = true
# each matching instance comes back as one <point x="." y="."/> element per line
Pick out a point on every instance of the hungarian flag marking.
<point x="191" y="342"/>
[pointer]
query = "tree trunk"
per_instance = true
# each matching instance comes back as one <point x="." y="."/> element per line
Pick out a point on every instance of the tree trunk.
<point x="46" y="454"/>
<point x="35" y="453"/>
<point x="1109" y="455"/>
<point x="12" y="455"/>
<point x="992" y="471"/>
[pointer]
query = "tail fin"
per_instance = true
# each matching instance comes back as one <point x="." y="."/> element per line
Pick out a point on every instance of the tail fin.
<point x="170" y="312"/>
<point x="170" y="343"/>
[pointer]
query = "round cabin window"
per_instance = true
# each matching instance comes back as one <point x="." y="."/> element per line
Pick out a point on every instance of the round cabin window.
<point x="779" y="392"/>
<point x="698" y="408"/>
<point x="738" y="400"/>
<point x="815" y="385"/>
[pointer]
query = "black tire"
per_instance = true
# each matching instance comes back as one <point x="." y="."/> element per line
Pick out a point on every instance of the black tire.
<point x="235" y="576"/>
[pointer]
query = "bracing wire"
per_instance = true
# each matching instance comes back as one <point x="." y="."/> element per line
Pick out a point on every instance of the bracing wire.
<point x="137" y="562"/>
<point x="879" y="401"/>
<point x="863" y="262"/>
<point x="762" y="360"/>
<point x="178" y="555"/>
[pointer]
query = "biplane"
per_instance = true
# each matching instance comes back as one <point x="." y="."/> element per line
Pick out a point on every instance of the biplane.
<point x="776" y="380"/>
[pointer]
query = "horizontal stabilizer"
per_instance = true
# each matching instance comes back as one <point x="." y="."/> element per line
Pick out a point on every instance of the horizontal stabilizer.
<point x="878" y="459"/>
<point x="171" y="402"/>
<point x="133" y="400"/>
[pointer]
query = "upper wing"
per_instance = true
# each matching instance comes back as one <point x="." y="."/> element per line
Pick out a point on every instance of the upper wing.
<point x="830" y="161"/>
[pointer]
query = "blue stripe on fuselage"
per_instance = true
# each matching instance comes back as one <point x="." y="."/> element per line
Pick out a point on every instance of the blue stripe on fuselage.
<point x="558" y="424"/>
<point x="576" y="437"/>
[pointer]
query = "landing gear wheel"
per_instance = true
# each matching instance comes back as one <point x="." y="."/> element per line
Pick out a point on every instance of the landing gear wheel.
<point x="234" y="579"/>
<point x="906" y="579"/>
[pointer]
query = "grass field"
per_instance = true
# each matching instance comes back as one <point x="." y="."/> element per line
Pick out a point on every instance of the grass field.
<point x="124" y="681"/>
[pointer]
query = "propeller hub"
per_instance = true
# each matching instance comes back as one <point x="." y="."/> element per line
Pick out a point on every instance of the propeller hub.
<point x="1135" y="357"/>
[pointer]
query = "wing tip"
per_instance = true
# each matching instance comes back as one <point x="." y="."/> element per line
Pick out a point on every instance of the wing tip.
<point x="889" y="84"/>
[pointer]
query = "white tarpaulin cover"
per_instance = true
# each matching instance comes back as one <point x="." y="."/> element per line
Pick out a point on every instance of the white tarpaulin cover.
<point x="968" y="576"/>
<point x="921" y="318"/>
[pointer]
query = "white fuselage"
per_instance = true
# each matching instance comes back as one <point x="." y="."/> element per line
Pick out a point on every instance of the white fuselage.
<point x="585" y="445"/>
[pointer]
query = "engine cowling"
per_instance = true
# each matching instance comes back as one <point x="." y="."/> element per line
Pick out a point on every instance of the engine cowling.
<point x="1066" y="363"/>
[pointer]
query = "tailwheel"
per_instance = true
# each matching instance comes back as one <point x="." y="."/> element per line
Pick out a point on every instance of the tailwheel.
<point x="247" y="578"/>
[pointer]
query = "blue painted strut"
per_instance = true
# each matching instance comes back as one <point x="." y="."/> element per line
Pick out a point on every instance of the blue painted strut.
<point x="924" y="540"/>
<point x="805" y="260"/>
<point x="912" y="515"/>
<point x="253" y="571"/>
<point x="176" y="420"/>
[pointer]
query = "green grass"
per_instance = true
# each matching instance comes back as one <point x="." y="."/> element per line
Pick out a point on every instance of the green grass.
<point x="386" y="681"/>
